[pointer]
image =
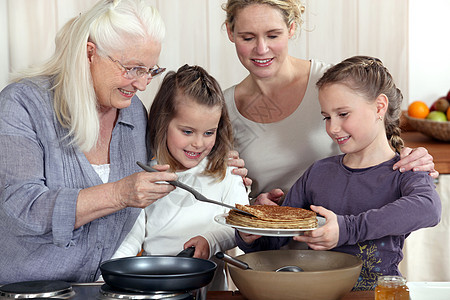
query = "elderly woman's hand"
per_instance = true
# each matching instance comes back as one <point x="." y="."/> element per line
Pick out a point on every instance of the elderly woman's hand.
<point x="137" y="190"/>
<point x="143" y="188"/>
<point x="417" y="160"/>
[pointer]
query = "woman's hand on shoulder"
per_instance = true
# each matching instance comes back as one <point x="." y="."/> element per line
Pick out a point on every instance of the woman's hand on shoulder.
<point x="325" y="237"/>
<point x="273" y="197"/>
<point x="143" y="188"/>
<point x="417" y="160"/>
<point x="235" y="161"/>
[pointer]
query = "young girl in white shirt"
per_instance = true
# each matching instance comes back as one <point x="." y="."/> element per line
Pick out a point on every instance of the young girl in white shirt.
<point x="189" y="129"/>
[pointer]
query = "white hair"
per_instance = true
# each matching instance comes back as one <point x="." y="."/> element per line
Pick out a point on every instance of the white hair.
<point x="109" y="25"/>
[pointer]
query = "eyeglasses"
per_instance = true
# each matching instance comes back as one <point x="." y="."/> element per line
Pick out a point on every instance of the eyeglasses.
<point x="139" y="71"/>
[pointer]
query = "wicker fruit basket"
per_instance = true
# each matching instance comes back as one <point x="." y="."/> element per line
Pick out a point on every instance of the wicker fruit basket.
<point x="434" y="129"/>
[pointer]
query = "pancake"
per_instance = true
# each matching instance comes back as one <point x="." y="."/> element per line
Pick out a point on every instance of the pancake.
<point x="273" y="216"/>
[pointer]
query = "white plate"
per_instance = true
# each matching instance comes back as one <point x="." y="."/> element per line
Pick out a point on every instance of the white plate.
<point x="221" y="219"/>
<point x="429" y="290"/>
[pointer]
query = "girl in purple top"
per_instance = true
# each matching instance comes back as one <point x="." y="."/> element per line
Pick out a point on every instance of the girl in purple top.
<point x="369" y="208"/>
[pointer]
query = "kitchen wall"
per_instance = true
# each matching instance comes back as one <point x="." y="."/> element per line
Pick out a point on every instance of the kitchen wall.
<point x="406" y="35"/>
<point x="4" y="49"/>
<point x="429" y="49"/>
<point x="412" y="37"/>
<point x="426" y="250"/>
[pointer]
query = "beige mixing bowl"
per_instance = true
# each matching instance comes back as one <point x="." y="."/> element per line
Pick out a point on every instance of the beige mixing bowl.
<point x="327" y="275"/>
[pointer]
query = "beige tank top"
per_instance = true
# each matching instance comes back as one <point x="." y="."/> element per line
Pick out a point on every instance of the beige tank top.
<point x="276" y="154"/>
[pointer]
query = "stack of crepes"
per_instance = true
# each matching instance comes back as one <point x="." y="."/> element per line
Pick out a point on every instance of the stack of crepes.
<point x="273" y="216"/>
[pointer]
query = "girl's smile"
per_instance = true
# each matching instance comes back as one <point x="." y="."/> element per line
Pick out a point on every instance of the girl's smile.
<point x="192" y="155"/>
<point x="191" y="134"/>
<point x="342" y="140"/>
<point x="353" y="122"/>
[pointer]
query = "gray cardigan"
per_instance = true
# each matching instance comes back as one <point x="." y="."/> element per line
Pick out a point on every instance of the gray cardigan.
<point x="40" y="178"/>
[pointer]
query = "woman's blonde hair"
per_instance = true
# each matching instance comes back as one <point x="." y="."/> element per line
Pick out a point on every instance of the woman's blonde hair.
<point x="291" y="10"/>
<point x="109" y="25"/>
<point x="368" y="77"/>
<point x="198" y="85"/>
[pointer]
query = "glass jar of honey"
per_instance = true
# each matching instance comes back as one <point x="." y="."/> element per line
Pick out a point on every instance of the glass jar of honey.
<point x="391" y="288"/>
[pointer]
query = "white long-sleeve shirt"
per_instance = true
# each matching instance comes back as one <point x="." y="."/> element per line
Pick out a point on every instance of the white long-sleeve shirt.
<point x="173" y="220"/>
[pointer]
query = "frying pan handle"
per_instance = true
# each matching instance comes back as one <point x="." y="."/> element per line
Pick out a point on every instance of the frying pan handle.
<point x="188" y="252"/>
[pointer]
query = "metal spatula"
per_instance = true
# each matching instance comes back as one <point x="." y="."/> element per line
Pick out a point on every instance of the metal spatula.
<point x="196" y="194"/>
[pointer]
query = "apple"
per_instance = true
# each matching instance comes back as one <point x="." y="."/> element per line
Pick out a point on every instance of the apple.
<point x="437" y="116"/>
<point x="448" y="95"/>
<point x="442" y="104"/>
<point x="433" y="106"/>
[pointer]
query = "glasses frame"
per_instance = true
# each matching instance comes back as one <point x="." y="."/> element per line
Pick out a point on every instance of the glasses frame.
<point x="132" y="72"/>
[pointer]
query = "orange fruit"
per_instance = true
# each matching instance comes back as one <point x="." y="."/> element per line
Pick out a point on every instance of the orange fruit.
<point x="448" y="113"/>
<point x="418" y="109"/>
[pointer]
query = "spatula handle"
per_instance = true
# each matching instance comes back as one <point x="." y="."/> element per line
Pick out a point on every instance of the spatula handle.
<point x="196" y="194"/>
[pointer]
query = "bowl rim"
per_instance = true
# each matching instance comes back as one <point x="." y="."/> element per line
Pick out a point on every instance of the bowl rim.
<point x="357" y="264"/>
<point x="299" y="273"/>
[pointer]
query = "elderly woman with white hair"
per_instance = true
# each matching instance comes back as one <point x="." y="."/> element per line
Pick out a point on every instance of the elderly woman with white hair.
<point x="71" y="132"/>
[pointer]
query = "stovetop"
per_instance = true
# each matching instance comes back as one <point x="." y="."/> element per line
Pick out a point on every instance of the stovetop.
<point x="101" y="291"/>
<point x="86" y="290"/>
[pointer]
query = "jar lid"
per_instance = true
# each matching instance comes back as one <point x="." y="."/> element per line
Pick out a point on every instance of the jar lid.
<point x="391" y="281"/>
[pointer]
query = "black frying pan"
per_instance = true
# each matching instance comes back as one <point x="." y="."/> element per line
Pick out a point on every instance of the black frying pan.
<point x="159" y="273"/>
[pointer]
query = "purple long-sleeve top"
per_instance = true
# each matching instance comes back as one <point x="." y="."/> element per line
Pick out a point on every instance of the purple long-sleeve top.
<point x="376" y="208"/>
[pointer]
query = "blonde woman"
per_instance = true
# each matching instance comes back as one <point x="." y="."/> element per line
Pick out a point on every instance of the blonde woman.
<point x="274" y="109"/>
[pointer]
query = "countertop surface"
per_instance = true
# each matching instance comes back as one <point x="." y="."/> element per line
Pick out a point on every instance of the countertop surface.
<point x="418" y="291"/>
<point x="238" y="296"/>
<point x="438" y="149"/>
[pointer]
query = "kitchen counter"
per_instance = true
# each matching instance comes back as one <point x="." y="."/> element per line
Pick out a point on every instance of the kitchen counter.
<point x="238" y="296"/>
<point x="438" y="149"/>
<point x="418" y="291"/>
<point x="91" y="291"/>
